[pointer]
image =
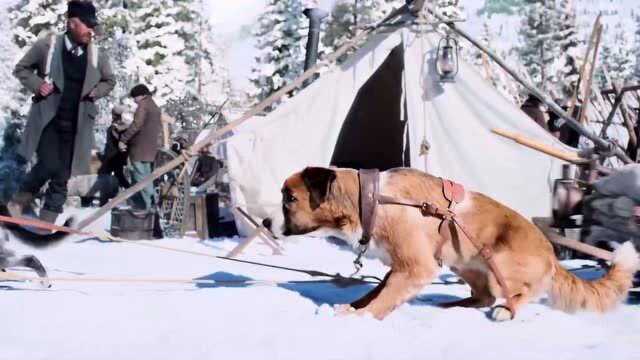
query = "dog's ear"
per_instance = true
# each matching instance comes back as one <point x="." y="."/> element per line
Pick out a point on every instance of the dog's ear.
<point x="318" y="182"/>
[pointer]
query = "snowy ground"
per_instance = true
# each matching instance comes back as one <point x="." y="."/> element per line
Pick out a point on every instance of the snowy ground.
<point x="290" y="321"/>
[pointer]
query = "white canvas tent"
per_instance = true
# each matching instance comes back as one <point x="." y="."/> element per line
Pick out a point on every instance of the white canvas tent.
<point x="385" y="108"/>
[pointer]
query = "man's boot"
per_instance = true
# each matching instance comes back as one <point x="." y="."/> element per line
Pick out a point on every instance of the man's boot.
<point x="21" y="204"/>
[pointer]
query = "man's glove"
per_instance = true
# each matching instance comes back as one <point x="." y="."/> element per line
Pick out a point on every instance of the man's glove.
<point x="122" y="146"/>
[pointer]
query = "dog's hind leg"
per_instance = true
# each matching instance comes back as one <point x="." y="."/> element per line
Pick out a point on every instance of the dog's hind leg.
<point x="480" y="293"/>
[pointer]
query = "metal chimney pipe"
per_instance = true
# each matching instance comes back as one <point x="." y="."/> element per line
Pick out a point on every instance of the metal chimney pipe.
<point x="315" y="16"/>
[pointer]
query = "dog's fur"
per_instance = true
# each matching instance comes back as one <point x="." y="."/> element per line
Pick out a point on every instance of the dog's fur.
<point x="327" y="199"/>
<point x="8" y="257"/>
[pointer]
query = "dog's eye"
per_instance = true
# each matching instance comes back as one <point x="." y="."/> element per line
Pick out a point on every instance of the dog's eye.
<point x="288" y="198"/>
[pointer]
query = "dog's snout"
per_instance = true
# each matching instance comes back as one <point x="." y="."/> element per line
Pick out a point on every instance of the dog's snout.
<point x="268" y="223"/>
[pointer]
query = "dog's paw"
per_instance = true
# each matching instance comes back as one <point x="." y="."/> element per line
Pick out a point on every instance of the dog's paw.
<point x="45" y="283"/>
<point x="501" y="313"/>
<point x="343" y="309"/>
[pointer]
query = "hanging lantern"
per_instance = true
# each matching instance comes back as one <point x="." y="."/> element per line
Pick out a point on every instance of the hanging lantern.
<point x="447" y="60"/>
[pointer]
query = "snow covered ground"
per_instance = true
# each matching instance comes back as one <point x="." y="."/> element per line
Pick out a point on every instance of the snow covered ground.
<point x="266" y="321"/>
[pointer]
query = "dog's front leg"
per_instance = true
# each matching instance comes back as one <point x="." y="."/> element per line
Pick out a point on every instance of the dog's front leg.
<point x="401" y="286"/>
<point x="365" y="300"/>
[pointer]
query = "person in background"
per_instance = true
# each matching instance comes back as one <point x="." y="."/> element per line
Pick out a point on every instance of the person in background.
<point x="532" y="106"/>
<point x="113" y="160"/>
<point x="67" y="73"/>
<point x="560" y="129"/>
<point x="141" y="140"/>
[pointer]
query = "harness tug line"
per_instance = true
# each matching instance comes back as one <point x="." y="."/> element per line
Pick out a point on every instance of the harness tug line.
<point x="337" y="278"/>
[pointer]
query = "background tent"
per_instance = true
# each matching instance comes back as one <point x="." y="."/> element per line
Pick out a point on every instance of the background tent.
<point x="384" y="108"/>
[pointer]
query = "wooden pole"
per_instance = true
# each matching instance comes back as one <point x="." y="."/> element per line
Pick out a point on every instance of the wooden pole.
<point x="544" y="225"/>
<point x="587" y="91"/>
<point x="600" y="143"/>
<point x="567" y="156"/>
<point x="619" y="93"/>
<point x="583" y="68"/>
<point x="215" y="135"/>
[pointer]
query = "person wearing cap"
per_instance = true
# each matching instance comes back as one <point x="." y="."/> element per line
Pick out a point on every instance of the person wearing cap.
<point x="113" y="160"/>
<point x="66" y="73"/>
<point x="141" y="139"/>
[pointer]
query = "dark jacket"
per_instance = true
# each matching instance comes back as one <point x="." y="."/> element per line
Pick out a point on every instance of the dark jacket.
<point x="142" y="136"/>
<point x="30" y="71"/>
<point x="111" y="145"/>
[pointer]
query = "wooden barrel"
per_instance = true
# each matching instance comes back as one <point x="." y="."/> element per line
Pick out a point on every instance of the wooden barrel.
<point x="132" y="225"/>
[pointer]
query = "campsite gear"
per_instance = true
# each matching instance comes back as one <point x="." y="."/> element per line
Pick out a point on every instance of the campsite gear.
<point x="602" y="145"/>
<point x="203" y="215"/>
<point x="186" y="155"/>
<point x="437" y="110"/>
<point x="132" y="224"/>
<point x="205" y="168"/>
<point x="567" y="199"/>
<point x="370" y="198"/>
<point x="447" y="59"/>
<point x="611" y="210"/>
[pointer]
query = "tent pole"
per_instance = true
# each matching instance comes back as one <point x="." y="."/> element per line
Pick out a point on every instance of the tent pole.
<point x="602" y="146"/>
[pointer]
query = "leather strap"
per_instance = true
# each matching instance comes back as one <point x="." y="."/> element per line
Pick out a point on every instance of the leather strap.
<point x="454" y="193"/>
<point x="448" y="216"/>
<point x="369" y="189"/>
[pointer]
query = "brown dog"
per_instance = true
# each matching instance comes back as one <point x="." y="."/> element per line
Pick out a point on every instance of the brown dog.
<point x="405" y="240"/>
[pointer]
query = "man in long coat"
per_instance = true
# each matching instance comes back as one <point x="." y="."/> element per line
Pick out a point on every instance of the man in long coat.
<point x="67" y="74"/>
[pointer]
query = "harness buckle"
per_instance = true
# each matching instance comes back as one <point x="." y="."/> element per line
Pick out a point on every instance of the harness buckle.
<point x="357" y="263"/>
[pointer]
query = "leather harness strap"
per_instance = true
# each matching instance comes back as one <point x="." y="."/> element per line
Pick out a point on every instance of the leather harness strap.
<point x="453" y="192"/>
<point x="369" y="190"/>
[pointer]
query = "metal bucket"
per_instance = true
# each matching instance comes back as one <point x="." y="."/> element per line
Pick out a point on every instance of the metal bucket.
<point x="132" y="225"/>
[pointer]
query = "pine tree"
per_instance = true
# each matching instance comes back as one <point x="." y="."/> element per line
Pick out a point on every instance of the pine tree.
<point x="637" y="49"/>
<point x="30" y="17"/>
<point x="619" y="57"/>
<point x="567" y="37"/>
<point x="490" y="71"/>
<point x="505" y="7"/>
<point x="540" y="48"/>
<point x="15" y="100"/>
<point x="281" y="48"/>
<point x="348" y="16"/>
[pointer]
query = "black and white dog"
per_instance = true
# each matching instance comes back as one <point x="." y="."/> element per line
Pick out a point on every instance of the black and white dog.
<point x="8" y="257"/>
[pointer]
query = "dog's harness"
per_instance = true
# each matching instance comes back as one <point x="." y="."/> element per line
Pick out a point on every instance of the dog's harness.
<point x="453" y="192"/>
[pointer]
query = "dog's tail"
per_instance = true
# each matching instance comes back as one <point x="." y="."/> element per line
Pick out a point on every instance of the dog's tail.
<point x="36" y="240"/>
<point x="570" y="293"/>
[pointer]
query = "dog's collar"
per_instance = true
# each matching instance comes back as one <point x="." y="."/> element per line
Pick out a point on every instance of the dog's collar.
<point x="369" y="191"/>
